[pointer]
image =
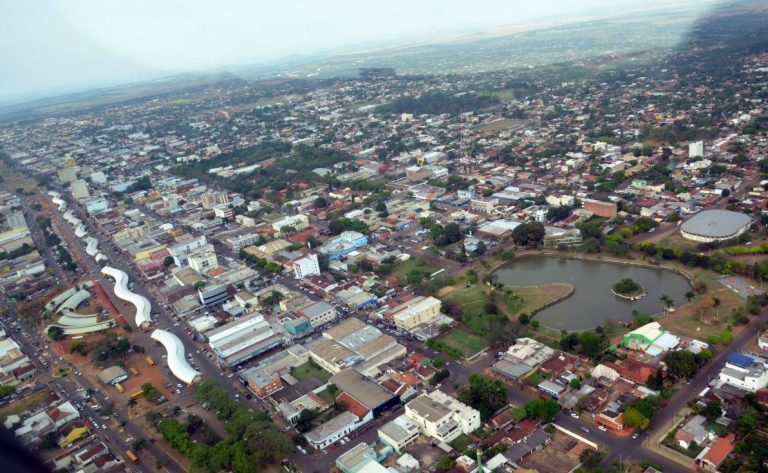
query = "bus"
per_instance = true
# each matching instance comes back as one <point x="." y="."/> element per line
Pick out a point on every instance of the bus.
<point x="119" y="387"/>
<point x="132" y="456"/>
<point x="150" y="361"/>
<point x="134" y="371"/>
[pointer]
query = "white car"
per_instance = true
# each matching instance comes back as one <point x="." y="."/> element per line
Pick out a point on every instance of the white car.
<point x="574" y="415"/>
<point x="602" y="427"/>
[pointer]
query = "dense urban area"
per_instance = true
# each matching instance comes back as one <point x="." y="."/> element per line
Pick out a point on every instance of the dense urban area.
<point x="556" y="268"/>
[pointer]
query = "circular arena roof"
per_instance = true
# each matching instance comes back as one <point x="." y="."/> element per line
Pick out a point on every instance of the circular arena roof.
<point x="716" y="224"/>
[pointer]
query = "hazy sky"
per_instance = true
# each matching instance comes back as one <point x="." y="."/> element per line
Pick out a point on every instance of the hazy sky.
<point x="49" y="46"/>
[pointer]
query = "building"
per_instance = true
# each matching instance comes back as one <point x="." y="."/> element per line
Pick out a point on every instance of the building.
<point x="181" y="250"/>
<point x="600" y="208"/>
<point x="483" y="204"/>
<point x="96" y="205"/>
<point x="318" y="313"/>
<point x="696" y="149"/>
<point x="715" y="225"/>
<point x="297" y="222"/>
<point x="211" y="295"/>
<point x="361" y="390"/>
<point x="307" y="266"/>
<point x="12" y="359"/>
<point x="342" y="245"/>
<point x="358" y="459"/>
<point x="651" y="338"/>
<point x="747" y="372"/>
<point x="112" y="375"/>
<point x="497" y="230"/>
<point x="442" y="417"/>
<point x="333" y="430"/>
<point x="715" y="454"/>
<point x="79" y="189"/>
<point x="260" y="382"/>
<point x="415" y="312"/>
<point x="399" y="433"/>
<point x="242" y="339"/>
<point x="203" y="260"/>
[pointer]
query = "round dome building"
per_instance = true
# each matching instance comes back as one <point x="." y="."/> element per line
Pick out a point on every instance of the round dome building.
<point x="715" y="225"/>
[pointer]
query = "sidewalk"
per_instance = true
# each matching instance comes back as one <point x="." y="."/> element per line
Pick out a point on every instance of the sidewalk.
<point x="654" y="443"/>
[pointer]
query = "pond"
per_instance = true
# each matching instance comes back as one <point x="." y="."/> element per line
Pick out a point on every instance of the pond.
<point x="592" y="302"/>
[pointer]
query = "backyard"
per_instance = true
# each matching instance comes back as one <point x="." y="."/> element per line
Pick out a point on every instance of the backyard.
<point x="310" y="369"/>
<point x="459" y="343"/>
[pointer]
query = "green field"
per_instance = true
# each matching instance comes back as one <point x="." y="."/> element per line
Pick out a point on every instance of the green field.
<point x="463" y="341"/>
<point x="401" y="270"/>
<point x="13" y="180"/>
<point x="308" y="369"/>
<point x="504" y="95"/>
<point x="24" y="404"/>
<point x="499" y="125"/>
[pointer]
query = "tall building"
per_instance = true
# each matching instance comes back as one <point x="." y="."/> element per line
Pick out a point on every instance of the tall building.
<point x="696" y="149"/>
<point x="307" y="266"/>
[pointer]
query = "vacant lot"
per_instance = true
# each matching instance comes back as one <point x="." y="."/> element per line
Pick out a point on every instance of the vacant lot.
<point x="310" y="369"/>
<point x="403" y="269"/>
<point x="560" y="455"/>
<point x="463" y="341"/>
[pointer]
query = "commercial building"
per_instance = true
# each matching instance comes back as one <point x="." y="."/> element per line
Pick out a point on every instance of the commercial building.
<point x="354" y="343"/>
<point x="399" y="433"/>
<point x="747" y="372"/>
<point x="112" y="375"/>
<point x="442" y="417"/>
<point x="522" y="358"/>
<point x="333" y="430"/>
<point x="307" y="266"/>
<point x="203" y="260"/>
<point x="417" y="311"/>
<point x="364" y="392"/>
<point x="715" y="225"/>
<point x="298" y="222"/>
<point x="342" y="245"/>
<point x="651" y="338"/>
<point x="181" y="250"/>
<point x="96" y="205"/>
<point x="261" y="382"/>
<point x="242" y="339"/>
<point x="318" y="313"/>
<point x="696" y="149"/>
<point x="497" y="230"/>
<point x="213" y="294"/>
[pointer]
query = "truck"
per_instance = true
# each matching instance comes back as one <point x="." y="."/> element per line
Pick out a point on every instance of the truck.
<point x="119" y="387"/>
<point x="150" y="361"/>
<point x="131" y="456"/>
<point x="134" y="371"/>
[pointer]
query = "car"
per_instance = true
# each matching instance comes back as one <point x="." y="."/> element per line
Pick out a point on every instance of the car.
<point x="635" y="435"/>
<point x="575" y="415"/>
<point x="104" y="426"/>
<point x="602" y="427"/>
<point x="230" y="375"/>
<point x="585" y="430"/>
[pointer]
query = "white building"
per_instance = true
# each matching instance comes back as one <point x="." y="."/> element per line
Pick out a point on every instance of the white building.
<point x="335" y="429"/>
<point x="204" y="260"/>
<point x="747" y="372"/>
<point x="298" y="222"/>
<point x="696" y="149"/>
<point x="181" y="251"/>
<point x="442" y="417"/>
<point x="307" y="266"/>
<point x="417" y="311"/>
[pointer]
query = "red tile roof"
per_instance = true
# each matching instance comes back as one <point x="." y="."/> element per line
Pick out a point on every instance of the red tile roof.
<point x="353" y="406"/>
<point x="720" y="449"/>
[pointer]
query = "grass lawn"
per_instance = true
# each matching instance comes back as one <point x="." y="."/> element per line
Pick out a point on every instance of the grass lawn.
<point x="504" y="95"/>
<point x="461" y="443"/>
<point x="401" y="270"/>
<point x="21" y="405"/>
<point x="326" y="396"/>
<point x="534" y="379"/>
<point x="499" y="125"/>
<point x="308" y="369"/>
<point x="14" y="180"/>
<point x="463" y="341"/>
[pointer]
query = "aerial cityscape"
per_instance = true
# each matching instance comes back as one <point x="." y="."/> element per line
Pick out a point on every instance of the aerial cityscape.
<point x="540" y="248"/>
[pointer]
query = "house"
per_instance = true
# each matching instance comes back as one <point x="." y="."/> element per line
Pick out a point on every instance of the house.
<point x="695" y="430"/>
<point x="399" y="433"/>
<point x="714" y="455"/>
<point x="517" y="452"/>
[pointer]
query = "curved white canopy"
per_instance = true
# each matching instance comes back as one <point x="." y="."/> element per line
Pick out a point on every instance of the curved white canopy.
<point x="176" y="361"/>
<point x="142" y="304"/>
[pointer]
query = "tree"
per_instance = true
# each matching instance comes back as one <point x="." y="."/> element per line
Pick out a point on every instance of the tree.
<point x="529" y="234"/>
<point x="445" y="464"/>
<point x="485" y="395"/>
<point x="321" y="203"/>
<point x="575" y="383"/>
<point x="6" y="391"/>
<point x="590" y="458"/>
<point x="712" y="410"/>
<point x="716" y="303"/>
<point x="148" y="389"/>
<point x="481" y="248"/>
<point x="689" y="296"/>
<point x="168" y="261"/>
<point x="681" y="363"/>
<point x="633" y="418"/>
<point x="56" y="333"/>
<point x="667" y="301"/>
<point x="543" y="409"/>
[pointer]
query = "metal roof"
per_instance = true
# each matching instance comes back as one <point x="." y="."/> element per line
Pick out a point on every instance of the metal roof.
<point x="716" y="223"/>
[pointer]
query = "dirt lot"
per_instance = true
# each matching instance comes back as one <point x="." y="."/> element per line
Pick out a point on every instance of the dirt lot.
<point x="562" y="454"/>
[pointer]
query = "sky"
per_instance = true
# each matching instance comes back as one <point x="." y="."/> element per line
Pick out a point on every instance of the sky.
<point x="54" y="46"/>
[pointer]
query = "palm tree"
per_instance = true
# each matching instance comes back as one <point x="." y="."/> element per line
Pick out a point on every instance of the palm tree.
<point x="716" y="303"/>
<point x="131" y="403"/>
<point x="667" y="301"/>
<point x="689" y="296"/>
